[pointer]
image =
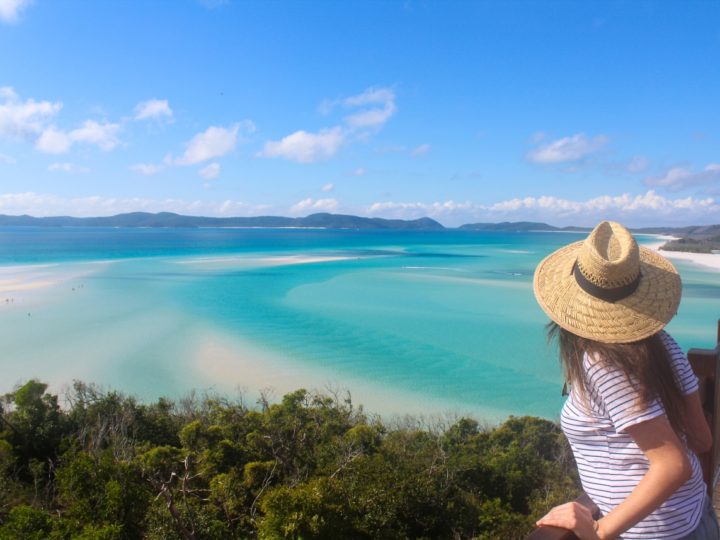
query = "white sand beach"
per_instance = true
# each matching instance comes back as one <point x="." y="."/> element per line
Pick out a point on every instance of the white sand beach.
<point x="243" y="262"/>
<point x="14" y="279"/>
<point x="15" y="285"/>
<point x="708" y="260"/>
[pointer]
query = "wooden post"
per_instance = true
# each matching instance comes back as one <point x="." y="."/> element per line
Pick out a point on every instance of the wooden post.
<point x="706" y="365"/>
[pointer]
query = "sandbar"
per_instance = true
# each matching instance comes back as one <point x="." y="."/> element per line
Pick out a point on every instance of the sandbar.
<point x="38" y="284"/>
<point x="231" y="362"/>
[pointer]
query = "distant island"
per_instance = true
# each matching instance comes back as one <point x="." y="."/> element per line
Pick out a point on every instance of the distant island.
<point x="691" y="239"/>
<point x="169" y="219"/>
<point x="695" y="239"/>
<point x="519" y="226"/>
<point x="694" y="245"/>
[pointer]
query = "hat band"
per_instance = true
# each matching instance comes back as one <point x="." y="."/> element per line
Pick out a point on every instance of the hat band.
<point x="609" y="295"/>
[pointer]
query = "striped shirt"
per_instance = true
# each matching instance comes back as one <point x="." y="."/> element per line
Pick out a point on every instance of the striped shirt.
<point x="610" y="463"/>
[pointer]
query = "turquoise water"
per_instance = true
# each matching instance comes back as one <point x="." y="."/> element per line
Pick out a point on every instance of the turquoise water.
<point x="406" y="321"/>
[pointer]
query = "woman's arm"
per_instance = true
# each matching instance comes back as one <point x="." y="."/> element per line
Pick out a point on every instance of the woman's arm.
<point x="669" y="469"/>
<point x="698" y="434"/>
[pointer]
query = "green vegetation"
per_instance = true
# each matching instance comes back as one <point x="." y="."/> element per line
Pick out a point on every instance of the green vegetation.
<point x="310" y="466"/>
<point x="694" y="245"/>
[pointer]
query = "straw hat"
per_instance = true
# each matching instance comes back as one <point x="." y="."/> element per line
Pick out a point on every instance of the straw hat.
<point x="607" y="288"/>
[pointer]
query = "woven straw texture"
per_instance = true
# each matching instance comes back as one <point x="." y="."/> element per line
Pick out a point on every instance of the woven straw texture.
<point x="609" y="258"/>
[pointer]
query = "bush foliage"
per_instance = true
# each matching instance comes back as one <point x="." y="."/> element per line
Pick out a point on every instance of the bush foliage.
<point x="309" y="466"/>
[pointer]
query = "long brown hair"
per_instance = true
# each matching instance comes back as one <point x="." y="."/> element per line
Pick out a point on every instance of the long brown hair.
<point x="646" y="364"/>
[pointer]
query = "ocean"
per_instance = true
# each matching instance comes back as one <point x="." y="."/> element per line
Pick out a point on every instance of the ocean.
<point x="422" y="323"/>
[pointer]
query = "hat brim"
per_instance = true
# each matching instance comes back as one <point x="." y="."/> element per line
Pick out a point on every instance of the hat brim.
<point x="640" y="315"/>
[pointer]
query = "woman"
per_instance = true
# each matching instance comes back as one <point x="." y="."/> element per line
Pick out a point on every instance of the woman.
<point x="633" y="417"/>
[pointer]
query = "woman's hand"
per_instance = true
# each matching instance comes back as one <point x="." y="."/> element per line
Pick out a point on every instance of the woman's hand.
<point x="573" y="516"/>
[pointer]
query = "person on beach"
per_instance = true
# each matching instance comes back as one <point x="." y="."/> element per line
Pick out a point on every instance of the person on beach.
<point x="633" y="415"/>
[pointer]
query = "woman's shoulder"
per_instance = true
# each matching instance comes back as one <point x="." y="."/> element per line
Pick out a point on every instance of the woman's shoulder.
<point x="675" y="354"/>
<point x="670" y="344"/>
<point x="601" y="373"/>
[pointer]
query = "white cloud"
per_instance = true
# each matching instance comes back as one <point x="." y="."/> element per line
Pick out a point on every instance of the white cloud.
<point x="9" y="9"/>
<point x="7" y="160"/>
<point x="310" y="205"/>
<point x="649" y="208"/>
<point x="360" y="171"/>
<point x="371" y="96"/>
<point x="304" y="147"/>
<point x="371" y="118"/>
<point x="153" y="108"/>
<point x="414" y="210"/>
<point x="32" y="120"/>
<point x="55" y="141"/>
<point x="214" y="142"/>
<point x="374" y="117"/>
<point x="238" y="208"/>
<point x="24" y="119"/>
<point x="420" y="150"/>
<point x="635" y="210"/>
<point x="678" y="178"/>
<point x="648" y="205"/>
<point x="328" y="187"/>
<point x="567" y="149"/>
<point x="146" y="169"/>
<point x="39" y="204"/>
<point x="210" y="172"/>
<point x="102" y="135"/>
<point x="67" y="168"/>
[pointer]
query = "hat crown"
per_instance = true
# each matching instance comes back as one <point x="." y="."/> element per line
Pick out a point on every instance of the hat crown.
<point x="610" y="256"/>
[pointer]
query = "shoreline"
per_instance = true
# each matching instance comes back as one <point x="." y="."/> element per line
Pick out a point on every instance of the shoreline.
<point x="145" y="346"/>
<point x="219" y="358"/>
<point x="707" y="260"/>
<point x="37" y="284"/>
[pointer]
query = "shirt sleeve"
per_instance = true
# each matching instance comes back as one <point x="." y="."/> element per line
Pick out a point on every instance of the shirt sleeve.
<point x="684" y="374"/>
<point x="619" y="396"/>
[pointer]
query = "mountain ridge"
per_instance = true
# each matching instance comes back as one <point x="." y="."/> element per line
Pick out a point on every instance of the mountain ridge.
<point x="319" y="220"/>
<point x="170" y="219"/>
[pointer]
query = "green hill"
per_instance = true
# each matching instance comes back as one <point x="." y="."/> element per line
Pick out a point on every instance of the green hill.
<point x="169" y="219"/>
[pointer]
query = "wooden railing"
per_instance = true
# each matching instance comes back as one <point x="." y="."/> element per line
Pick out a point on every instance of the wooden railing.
<point x="706" y="364"/>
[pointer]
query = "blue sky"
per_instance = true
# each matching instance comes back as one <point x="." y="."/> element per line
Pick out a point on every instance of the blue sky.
<point x="565" y="112"/>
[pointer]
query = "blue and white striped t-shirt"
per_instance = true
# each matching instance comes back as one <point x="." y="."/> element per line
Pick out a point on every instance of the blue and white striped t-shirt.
<point x="610" y="463"/>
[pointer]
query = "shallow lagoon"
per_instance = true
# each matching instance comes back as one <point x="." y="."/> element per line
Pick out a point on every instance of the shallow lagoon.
<point x="408" y="322"/>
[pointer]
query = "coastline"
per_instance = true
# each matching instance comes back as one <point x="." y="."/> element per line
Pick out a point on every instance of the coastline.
<point x="147" y="325"/>
<point x="199" y="358"/>
<point x="707" y="260"/>
<point x="228" y="362"/>
<point x="34" y="284"/>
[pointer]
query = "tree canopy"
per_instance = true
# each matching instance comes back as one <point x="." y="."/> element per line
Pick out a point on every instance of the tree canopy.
<point x="309" y="466"/>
